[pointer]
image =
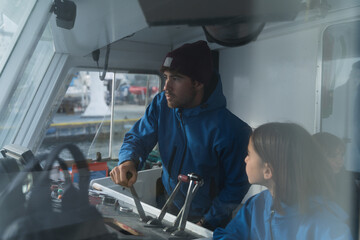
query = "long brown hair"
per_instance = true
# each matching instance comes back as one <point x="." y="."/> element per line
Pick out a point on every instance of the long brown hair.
<point x="299" y="169"/>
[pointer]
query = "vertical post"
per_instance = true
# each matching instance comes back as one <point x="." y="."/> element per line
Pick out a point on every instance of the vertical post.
<point x="147" y="94"/>
<point x="112" y="108"/>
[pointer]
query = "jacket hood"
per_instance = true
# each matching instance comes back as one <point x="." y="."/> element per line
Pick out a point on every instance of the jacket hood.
<point x="216" y="100"/>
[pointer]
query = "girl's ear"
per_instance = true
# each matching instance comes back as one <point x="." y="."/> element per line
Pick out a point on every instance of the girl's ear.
<point x="267" y="172"/>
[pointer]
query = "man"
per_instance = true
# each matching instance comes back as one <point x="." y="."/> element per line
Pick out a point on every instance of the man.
<point x="195" y="134"/>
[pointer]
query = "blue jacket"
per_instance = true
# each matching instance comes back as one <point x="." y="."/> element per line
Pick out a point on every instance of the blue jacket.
<point x="207" y="140"/>
<point x="256" y="220"/>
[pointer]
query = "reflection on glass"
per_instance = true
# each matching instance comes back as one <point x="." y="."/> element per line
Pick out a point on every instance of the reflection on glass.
<point x="25" y="91"/>
<point x="13" y="15"/>
<point x="340" y="112"/>
<point x="340" y="81"/>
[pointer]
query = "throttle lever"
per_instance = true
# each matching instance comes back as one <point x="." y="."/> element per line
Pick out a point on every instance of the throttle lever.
<point x="138" y="205"/>
<point x="157" y="221"/>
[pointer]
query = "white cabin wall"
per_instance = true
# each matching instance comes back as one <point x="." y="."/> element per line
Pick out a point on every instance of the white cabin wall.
<point x="273" y="79"/>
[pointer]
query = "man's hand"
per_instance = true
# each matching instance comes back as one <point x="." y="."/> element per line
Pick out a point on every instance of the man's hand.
<point x="201" y="222"/>
<point x="120" y="174"/>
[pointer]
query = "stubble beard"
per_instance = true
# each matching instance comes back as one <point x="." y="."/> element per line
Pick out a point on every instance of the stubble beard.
<point x="181" y="102"/>
<point x="172" y="104"/>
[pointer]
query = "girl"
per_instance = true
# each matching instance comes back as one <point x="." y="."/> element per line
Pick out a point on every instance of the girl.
<point x="284" y="158"/>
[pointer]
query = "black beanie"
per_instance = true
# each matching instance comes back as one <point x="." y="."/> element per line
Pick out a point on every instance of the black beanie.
<point x="191" y="59"/>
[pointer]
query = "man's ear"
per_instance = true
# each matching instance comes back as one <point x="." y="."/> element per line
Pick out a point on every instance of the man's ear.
<point x="267" y="172"/>
<point x="198" y="85"/>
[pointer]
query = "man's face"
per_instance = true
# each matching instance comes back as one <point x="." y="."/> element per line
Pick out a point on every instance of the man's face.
<point x="180" y="91"/>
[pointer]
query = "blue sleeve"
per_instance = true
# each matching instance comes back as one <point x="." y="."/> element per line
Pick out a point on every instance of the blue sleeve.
<point x="239" y="227"/>
<point x="328" y="225"/>
<point x="235" y="182"/>
<point x="142" y="137"/>
<point x="341" y="233"/>
<point x="338" y="232"/>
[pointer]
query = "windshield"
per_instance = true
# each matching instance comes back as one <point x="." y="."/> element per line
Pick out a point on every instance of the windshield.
<point x="17" y="107"/>
<point x="13" y="16"/>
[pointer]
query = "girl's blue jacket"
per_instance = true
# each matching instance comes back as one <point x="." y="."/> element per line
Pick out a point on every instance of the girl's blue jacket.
<point x="256" y="220"/>
<point x="207" y="140"/>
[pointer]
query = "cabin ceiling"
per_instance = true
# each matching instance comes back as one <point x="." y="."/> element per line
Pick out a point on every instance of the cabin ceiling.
<point x="166" y="35"/>
<point x="160" y="22"/>
<point x="97" y="24"/>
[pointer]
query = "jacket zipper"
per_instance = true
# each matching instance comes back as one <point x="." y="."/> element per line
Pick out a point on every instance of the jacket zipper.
<point x="185" y="149"/>
<point x="172" y="156"/>
<point x="271" y="216"/>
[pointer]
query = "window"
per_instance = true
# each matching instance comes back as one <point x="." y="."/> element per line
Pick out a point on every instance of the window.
<point x="13" y="15"/>
<point x="340" y="95"/>
<point x="340" y="114"/>
<point x="96" y="117"/>
<point x="25" y="91"/>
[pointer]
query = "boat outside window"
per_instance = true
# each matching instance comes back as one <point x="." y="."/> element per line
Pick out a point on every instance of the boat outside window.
<point x="96" y="117"/>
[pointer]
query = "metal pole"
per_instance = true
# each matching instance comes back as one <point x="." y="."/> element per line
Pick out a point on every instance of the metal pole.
<point x="112" y="114"/>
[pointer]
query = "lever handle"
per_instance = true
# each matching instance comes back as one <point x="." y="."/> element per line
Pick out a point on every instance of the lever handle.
<point x="194" y="177"/>
<point x="183" y="178"/>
